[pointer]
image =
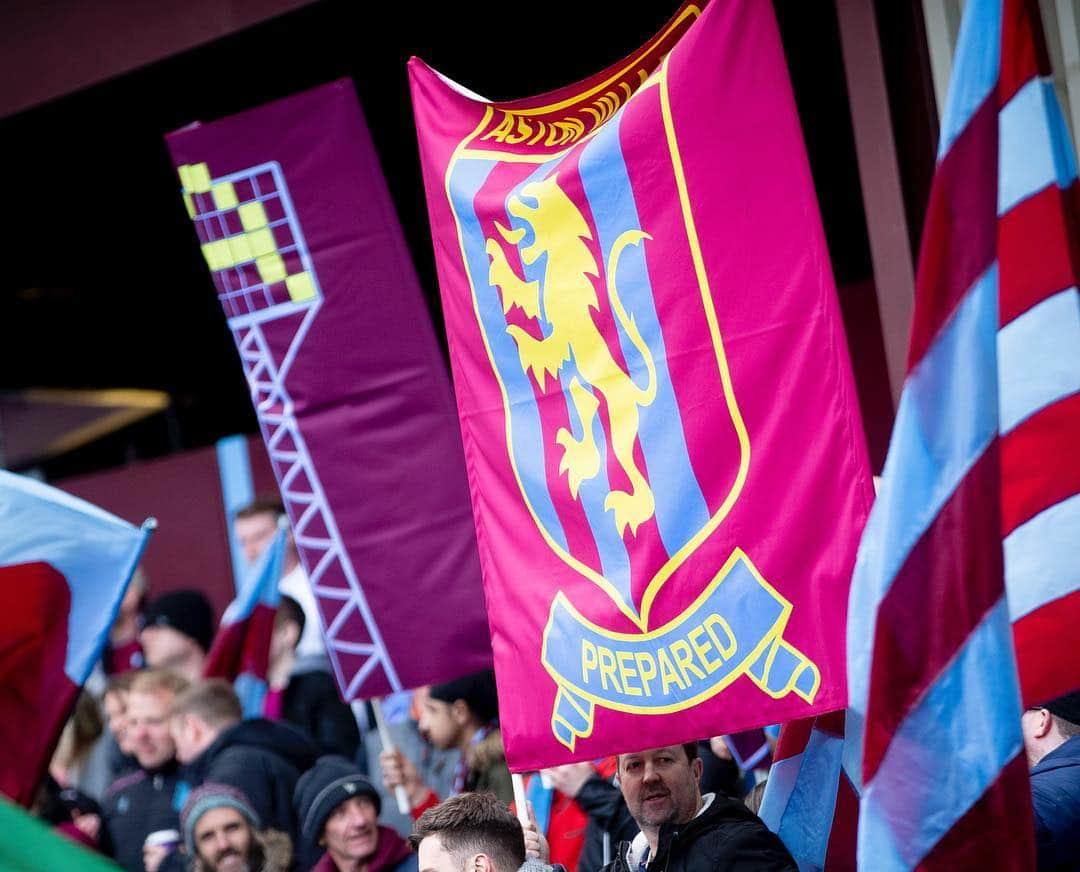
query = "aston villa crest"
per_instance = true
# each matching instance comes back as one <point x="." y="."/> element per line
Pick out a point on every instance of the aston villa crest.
<point x="627" y="455"/>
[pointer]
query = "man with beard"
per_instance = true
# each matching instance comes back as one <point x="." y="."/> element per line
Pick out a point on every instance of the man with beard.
<point x="338" y="810"/>
<point x="683" y="831"/>
<point x="221" y="834"/>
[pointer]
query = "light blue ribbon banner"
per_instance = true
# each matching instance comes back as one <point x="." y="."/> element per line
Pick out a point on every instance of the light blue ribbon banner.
<point x="734" y="628"/>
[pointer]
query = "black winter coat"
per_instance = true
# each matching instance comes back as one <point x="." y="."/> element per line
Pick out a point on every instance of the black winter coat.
<point x="608" y="815"/>
<point x="264" y="760"/>
<point x="139" y="804"/>
<point x="726" y="836"/>
<point x="311" y="702"/>
<point x="1055" y="789"/>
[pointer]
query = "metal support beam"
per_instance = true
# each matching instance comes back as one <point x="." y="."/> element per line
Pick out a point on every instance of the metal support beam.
<point x="1069" y="33"/>
<point x="879" y="175"/>
<point x="942" y="19"/>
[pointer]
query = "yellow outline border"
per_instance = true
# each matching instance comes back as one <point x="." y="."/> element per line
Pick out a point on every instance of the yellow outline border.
<point x="655" y="584"/>
<point x="590" y="719"/>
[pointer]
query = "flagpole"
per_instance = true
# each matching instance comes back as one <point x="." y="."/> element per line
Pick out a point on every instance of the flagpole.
<point x="519" y="799"/>
<point x="402" y="796"/>
<point x="147" y="529"/>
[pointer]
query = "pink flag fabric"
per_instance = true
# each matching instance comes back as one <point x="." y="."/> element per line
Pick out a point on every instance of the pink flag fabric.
<point x="64" y="567"/>
<point x="241" y="648"/>
<point x="348" y="382"/>
<point x="667" y="468"/>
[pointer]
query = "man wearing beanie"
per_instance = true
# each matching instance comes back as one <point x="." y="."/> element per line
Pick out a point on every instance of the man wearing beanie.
<point x="461" y="714"/>
<point x="177" y="633"/>
<point x="338" y="810"/>
<point x="1052" y="742"/>
<point x="221" y="834"/>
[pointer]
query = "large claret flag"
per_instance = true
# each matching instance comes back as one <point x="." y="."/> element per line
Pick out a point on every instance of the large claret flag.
<point x="666" y="464"/>
<point x="295" y="222"/>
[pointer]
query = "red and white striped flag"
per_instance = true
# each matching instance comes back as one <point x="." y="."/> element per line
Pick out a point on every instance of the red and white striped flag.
<point x="980" y="492"/>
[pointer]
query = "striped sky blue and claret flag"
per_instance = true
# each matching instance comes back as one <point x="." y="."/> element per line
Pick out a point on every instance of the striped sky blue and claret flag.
<point x="64" y="567"/>
<point x="809" y="802"/>
<point x="979" y="492"/>
<point x="1039" y="361"/>
<point x="241" y="649"/>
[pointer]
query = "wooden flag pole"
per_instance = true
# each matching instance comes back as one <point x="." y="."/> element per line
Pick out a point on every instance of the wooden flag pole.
<point x="400" y="794"/>
<point x="519" y="799"/>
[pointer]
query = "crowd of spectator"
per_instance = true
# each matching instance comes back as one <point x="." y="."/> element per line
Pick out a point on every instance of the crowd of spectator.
<point x="159" y="769"/>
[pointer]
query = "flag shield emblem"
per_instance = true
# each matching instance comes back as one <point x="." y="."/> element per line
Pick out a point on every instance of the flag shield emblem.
<point x="660" y="428"/>
<point x="620" y="419"/>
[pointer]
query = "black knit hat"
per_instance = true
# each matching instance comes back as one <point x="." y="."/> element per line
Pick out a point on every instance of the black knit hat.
<point x="1066" y="707"/>
<point x="477" y="690"/>
<point x="324" y="787"/>
<point x="187" y="612"/>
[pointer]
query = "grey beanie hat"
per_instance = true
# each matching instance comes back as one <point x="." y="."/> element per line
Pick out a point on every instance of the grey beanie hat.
<point x="209" y="796"/>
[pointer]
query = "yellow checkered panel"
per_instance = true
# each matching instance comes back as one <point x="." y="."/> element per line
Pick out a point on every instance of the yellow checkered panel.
<point x="247" y="238"/>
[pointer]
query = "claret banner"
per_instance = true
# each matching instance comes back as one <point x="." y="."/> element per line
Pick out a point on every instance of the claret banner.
<point x="665" y="458"/>
<point x="298" y="230"/>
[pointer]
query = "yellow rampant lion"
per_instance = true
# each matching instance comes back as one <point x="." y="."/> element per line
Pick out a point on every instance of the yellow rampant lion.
<point x="559" y="231"/>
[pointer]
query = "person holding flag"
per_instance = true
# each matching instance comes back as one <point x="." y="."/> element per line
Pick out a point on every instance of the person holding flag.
<point x="461" y="714"/>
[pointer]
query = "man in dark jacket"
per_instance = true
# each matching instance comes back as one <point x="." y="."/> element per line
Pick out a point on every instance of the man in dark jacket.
<point x="1052" y="742"/>
<point x="148" y="799"/>
<point x="302" y="690"/>
<point x="260" y="758"/>
<point x="683" y="831"/>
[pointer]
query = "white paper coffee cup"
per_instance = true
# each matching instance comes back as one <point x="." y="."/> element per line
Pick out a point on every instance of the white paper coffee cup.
<point x="168" y="839"/>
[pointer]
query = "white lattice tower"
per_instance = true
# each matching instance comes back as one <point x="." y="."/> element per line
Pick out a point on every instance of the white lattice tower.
<point x="314" y="529"/>
<point x="253" y="243"/>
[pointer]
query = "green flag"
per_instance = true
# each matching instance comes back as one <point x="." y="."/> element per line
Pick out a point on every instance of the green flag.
<point x="28" y="845"/>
